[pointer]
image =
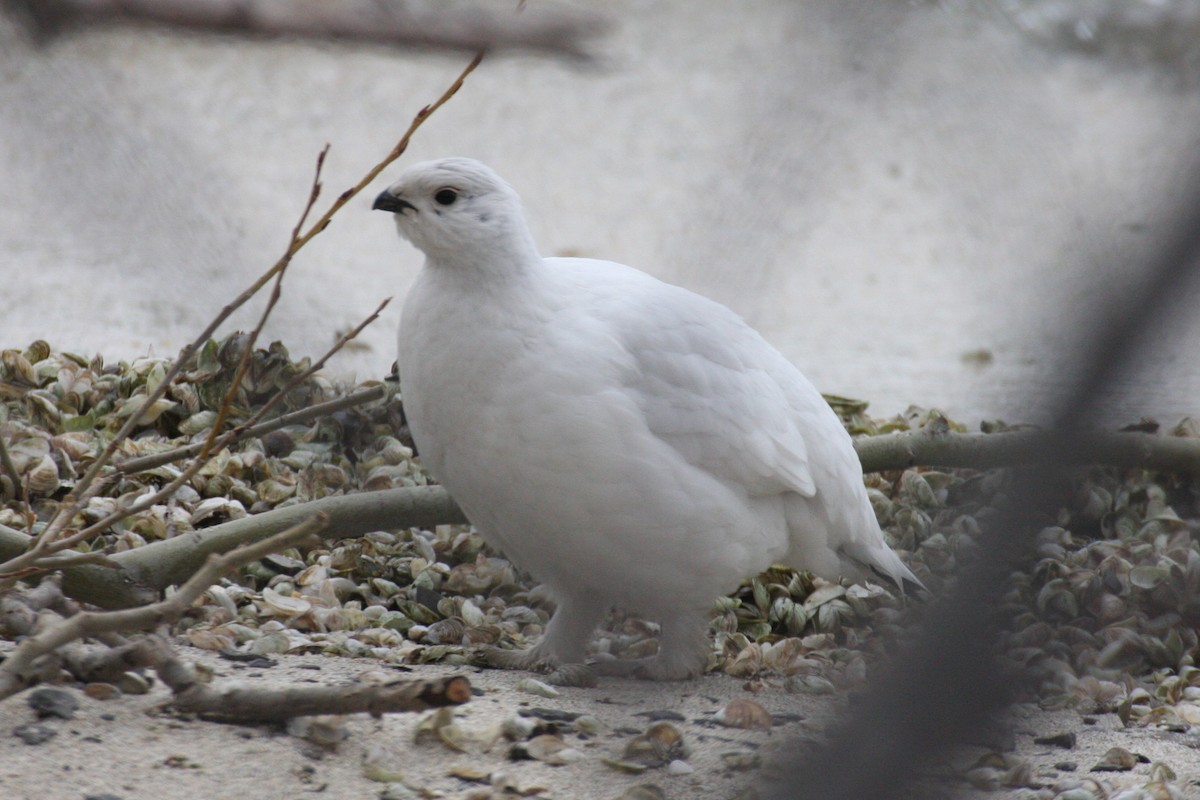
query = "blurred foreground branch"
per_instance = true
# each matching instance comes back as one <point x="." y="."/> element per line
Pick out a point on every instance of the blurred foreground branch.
<point x="948" y="682"/>
<point x="472" y="27"/>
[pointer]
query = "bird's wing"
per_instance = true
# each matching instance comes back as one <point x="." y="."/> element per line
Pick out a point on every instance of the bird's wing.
<point x="713" y="388"/>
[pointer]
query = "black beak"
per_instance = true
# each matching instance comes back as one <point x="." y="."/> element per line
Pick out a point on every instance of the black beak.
<point x="389" y="202"/>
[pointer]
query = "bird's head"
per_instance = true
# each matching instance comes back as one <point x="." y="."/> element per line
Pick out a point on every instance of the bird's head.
<point x="457" y="210"/>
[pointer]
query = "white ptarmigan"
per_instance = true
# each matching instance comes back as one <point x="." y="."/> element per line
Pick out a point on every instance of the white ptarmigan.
<point x="628" y="442"/>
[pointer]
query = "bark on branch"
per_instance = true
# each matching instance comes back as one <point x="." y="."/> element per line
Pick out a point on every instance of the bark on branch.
<point x="991" y="450"/>
<point x="244" y="702"/>
<point x="142" y="573"/>
<point x="414" y="23"/>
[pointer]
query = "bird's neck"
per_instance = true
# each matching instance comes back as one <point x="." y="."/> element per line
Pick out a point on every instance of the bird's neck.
<point x="500" y="264"/>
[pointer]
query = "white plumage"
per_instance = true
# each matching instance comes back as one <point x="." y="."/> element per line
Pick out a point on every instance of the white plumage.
<point x="630" y="443"/>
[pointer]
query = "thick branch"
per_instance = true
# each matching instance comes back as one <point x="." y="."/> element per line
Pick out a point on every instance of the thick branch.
<point x="145" y="571"/>
<point x="414" y="23"/>
<point x="990" y="450"/>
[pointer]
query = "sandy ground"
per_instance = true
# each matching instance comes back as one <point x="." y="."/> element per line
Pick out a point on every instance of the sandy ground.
<point x="884" y="189"/>
<point x="132" y="748"/>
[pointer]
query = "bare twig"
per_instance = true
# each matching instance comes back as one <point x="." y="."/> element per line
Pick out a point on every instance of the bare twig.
<point x="149" y="569"/>
<point x="15" y="670"/>
<point x="276" y="290"/>
<point x="244" y="431"/>
<point x="308" y="373"/>
<point x="413" y="23"/>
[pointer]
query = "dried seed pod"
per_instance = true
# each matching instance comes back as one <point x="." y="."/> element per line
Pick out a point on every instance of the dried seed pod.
<point x="43" y="478"/>
<point x="661" y="743"/>
<point x="743" y="713"/>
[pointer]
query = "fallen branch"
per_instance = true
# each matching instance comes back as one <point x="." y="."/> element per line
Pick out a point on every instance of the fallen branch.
<point x="241" y="701"/>
<point x="18" y="670"/>
<point x="413" y="23"/>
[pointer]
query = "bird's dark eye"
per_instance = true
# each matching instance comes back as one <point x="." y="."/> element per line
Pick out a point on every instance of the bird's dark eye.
<point x="446" y="197"/>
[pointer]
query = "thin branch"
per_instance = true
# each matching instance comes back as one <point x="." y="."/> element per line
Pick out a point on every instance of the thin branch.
<point x="149" y="569"/>
<point x="315" y="367"/>
<point x="15" y="669"/>
<point x="146" y="501"/>
<point x="243" y="431"/>
<point x="276" y="291"/>
<point x="413" y="23"/>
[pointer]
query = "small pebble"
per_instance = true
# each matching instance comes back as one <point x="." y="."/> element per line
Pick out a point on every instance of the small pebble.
<point x="661" y="714"/>
<point x="101" y="691"/>
<point x="645" y="791"/>
<point x="1118" y="759"/>
<point x="680" y="767"/>
<point x="534" y="686"/>
<point x="740" y="760"/>
<point x="33" y="733"/>
<point x="53" y="703"/>
<point x="550" y="714"/>
<point x="743" y="713"/>
<point x="282" y="563"/>
<point x="1063" y="740"/>
<point x="1066" y="766"/>
<point x="133" y="683"/>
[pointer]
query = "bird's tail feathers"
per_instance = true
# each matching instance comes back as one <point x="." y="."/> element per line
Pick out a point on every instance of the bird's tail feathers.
<point x="883" y="562"/>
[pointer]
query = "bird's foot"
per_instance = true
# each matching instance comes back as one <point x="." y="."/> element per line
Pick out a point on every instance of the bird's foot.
<point x="534" y="659"/>
<point x="652" y="668"/>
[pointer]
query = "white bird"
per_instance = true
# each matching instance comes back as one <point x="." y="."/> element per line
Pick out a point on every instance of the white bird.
<point x="628" y="442"/>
